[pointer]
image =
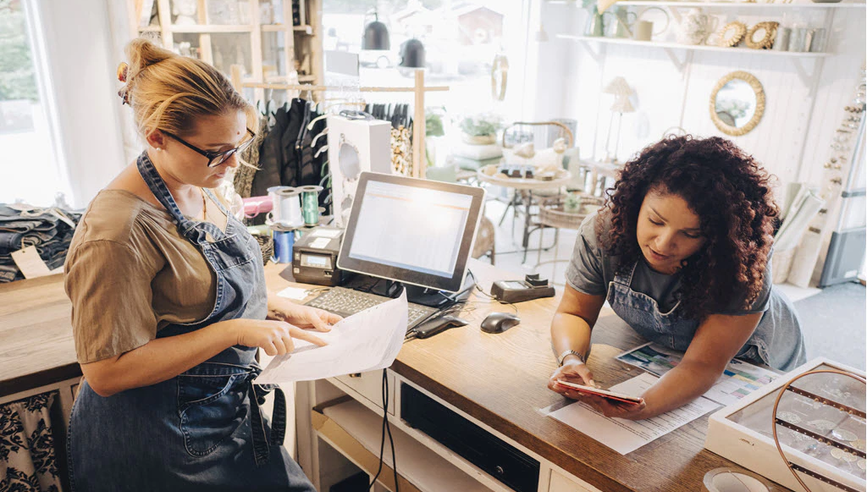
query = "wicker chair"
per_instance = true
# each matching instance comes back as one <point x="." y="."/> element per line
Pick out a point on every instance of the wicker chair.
<point x="485" y="240"/>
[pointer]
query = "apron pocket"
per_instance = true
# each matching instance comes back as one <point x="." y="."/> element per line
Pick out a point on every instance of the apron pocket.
<point x="211" y="409"/>
<point x="232" y="251"/>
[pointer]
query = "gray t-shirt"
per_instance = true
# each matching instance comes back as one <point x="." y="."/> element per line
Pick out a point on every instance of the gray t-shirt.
<point x="591" y="269"/>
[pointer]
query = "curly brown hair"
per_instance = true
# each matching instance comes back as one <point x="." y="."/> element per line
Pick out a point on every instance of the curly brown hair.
<point x="732" y="196"/>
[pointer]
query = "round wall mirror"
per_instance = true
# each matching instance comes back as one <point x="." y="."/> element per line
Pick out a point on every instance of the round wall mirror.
<point x="737" y="103"/>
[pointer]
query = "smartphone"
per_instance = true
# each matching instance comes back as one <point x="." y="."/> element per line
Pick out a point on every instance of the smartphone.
<point x="610" y="395"/>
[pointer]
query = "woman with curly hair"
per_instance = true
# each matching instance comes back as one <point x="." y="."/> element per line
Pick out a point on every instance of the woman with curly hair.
<point x="682" y="254"/>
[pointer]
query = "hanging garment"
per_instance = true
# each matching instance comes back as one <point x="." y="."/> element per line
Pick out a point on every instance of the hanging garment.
<point x="243" y="179"/>
<point x="202" y="430"/>
<point x="271" y="155"/>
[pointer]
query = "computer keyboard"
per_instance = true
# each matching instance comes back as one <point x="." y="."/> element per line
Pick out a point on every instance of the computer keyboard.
<point x="346" y="302"/>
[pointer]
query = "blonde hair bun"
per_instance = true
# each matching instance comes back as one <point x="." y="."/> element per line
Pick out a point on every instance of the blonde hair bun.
<point x="170" y="92"/>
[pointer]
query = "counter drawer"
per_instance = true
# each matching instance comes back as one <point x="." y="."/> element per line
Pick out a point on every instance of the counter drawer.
<point x="368" y="385"/>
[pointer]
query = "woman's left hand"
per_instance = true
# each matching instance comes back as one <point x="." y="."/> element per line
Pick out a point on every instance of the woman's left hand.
<point x="302" y="316"/>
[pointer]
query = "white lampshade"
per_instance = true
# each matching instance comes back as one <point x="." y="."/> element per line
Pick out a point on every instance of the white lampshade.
<point x="622" y="105"/>
<point x="618" y="87"/>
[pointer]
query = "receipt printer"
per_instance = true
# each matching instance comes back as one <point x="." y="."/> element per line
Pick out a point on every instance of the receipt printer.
<point x="314" y="257"/>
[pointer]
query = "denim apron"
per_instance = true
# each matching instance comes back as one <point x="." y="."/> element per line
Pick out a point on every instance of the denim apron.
<point x="203" y="429"/>
<point x="776" y="342"/>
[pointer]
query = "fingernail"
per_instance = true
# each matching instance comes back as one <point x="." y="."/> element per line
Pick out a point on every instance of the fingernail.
<point x="593" y="383"/>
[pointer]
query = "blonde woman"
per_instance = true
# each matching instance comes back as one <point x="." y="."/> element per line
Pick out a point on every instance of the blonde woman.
<point x="170" y="306"/>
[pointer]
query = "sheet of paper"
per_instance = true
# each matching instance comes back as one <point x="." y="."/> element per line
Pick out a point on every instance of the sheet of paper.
<point x="293" y="293"/>
<point x="739" y="379"/>
<point x="625" y="436"/>
<point x="29" y="262"/>
<point x="362" y="342"/>
<point x="329" y="233"/>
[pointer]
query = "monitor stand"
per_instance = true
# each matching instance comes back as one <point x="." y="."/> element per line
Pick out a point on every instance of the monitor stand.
<point x="414" y="294"/>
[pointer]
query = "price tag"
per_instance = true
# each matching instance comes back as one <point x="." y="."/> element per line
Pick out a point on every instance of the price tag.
<point x="29" y="262"/>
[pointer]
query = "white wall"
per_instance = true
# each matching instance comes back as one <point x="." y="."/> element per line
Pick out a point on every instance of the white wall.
<point x="79" y="49"/>
<point x="792" y="138"/>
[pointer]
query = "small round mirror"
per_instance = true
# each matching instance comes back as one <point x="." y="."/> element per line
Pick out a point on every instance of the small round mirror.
<point x="737" y="103"/>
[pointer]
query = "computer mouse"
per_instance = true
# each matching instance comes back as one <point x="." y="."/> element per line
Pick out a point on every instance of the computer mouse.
<point x="499" y="322"/>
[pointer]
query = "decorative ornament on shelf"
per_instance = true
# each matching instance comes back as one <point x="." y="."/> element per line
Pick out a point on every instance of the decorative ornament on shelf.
<point x="761" y="36"/>
<point x="621" y="92"/>
<point x="185" y="12"/>
<point x="732" y="34"/>
<point x="695" y="27"/>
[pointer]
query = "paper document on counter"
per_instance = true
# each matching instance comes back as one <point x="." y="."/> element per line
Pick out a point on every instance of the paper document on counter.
<point x="362" y="342"/>
<point x="738" y="380"/>
<point x="625" y="436"/>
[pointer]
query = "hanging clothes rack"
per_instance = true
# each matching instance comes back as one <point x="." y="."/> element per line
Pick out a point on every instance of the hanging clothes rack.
<point x="419" y="89"/>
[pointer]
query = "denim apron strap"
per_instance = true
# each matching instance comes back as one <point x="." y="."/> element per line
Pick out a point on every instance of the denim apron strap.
<point x="261" y="441"/>
<point x="194" y="231"/>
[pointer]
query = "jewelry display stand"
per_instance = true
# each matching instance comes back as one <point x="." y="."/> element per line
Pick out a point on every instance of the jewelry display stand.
<point x="816" y="423"/>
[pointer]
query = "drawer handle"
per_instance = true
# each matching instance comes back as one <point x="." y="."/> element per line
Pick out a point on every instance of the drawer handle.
<point x="500" y="471"/>
<point x="355" y="375"/>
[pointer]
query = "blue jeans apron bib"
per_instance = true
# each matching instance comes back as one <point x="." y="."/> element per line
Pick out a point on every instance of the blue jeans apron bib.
<point x="776" y="342"/>
<point x="202" y="430"/>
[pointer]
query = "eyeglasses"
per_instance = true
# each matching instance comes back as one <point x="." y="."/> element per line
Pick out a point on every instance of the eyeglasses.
<point x="216" y="158"/>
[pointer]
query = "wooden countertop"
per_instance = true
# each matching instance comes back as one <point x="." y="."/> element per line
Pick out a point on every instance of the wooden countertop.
<point x="36" y="346"/>
<point x="498" y="379"/>
<point x="501" y="380"/>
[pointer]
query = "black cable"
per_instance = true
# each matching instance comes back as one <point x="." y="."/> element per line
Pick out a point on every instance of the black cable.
<point x="382" y="439"/>
<point x="388" y="428"/>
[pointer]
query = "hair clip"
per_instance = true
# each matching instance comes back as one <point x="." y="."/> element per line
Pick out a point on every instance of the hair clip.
<point x="122" y="71"/>
<point x="123" y="93"/>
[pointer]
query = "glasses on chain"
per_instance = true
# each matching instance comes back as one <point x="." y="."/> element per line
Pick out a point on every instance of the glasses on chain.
<point x="216" y="158"/>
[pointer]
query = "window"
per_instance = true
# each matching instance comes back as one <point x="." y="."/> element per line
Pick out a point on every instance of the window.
<point x="461" y="40"/>
<point x="30" y="168"/>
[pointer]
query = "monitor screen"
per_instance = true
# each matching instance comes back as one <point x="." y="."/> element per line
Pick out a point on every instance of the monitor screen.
<point x="411" y="230"/>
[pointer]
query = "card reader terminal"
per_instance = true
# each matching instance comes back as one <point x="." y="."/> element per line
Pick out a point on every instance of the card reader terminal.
<point x="532" y="287"/>
<point x="314" y="257"/>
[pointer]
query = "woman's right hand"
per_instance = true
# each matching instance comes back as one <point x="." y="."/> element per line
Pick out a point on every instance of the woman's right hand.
<point x="274" y="337"/>
<point x="572" y="371"/>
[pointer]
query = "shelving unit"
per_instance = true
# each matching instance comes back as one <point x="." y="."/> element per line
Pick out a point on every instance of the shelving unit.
<point x="595" y="39"/>
<point x="651" y="3"/>
<point x="261" y="37"/>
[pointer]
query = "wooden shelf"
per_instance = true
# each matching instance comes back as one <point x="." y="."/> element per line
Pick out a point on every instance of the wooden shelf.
<point x="306" y="78"/>
<point x="303" y="29"/>
<point x="211" y="29"/>
<point x="631" y="42"/>
<point x="418" y="464"/>
<point x="149" y="29"/>
<point x="731" y="5"/>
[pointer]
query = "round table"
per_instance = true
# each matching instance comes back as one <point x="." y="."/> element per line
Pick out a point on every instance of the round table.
<point x="488" y="174"/>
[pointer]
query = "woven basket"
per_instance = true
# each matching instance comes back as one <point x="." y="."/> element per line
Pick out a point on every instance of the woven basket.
<point x="267" y="247"/>
<point x="552" y="213"/>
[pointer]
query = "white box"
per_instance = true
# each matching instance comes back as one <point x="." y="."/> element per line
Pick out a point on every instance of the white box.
<point x="354" y="146"/>
<point x="743" y="432"/>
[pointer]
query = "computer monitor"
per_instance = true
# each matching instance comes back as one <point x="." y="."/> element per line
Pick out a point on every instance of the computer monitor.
<point x="413" y="231"/>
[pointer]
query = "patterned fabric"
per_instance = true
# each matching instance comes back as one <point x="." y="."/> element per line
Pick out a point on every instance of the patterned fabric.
<point x="27" y="460"/>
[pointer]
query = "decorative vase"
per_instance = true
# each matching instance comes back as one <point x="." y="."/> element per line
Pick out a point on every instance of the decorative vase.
<point x="595" y="24"/>
<point x="479" y="139"/>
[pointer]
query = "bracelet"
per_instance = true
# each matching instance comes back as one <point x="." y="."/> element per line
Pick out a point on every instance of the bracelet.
<point x="562" y="357"/>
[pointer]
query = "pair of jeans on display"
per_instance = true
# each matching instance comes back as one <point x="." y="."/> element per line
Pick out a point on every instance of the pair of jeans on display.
<point x="777" y="341"/>
<point x="50" y="230"/>
<point x="202" y="430"/>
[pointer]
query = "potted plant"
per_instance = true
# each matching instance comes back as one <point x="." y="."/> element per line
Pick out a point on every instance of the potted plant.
<point x="480" y="129"/>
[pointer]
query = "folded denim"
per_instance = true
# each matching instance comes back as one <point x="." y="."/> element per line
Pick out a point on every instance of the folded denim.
<point x="47" y="229"/>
